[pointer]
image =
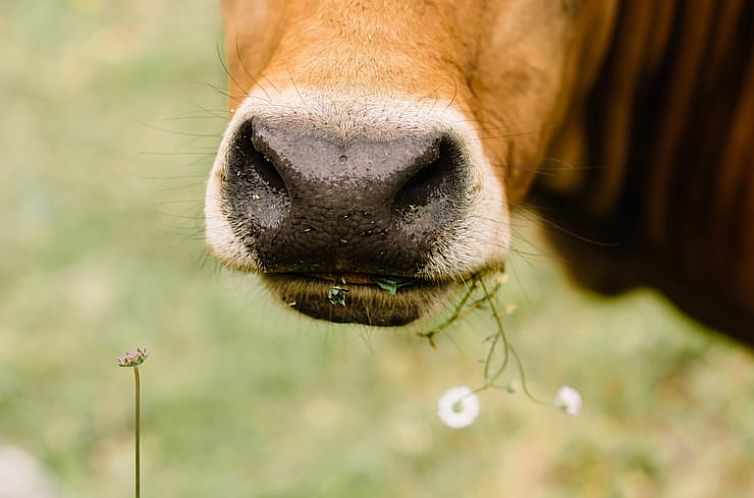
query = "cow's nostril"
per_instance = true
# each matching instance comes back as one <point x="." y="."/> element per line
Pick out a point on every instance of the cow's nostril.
<point x="305" y="202"/>
<point x="255" y="186"/>
<point x="262" y="159"/>
<point x="438" y="176"/>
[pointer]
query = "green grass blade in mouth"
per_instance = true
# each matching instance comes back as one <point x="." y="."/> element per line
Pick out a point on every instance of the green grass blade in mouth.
<point x="337" y="295"/>
<point x="390" y="286"/>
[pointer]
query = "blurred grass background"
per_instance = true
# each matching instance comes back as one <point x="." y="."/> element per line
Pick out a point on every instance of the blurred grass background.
<point x="107" y="130"/>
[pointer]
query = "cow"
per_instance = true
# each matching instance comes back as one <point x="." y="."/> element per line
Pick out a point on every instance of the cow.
<point x="389" y="140"/>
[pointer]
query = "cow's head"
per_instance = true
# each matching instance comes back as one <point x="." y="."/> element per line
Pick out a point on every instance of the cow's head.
<point x="378" y="141"/>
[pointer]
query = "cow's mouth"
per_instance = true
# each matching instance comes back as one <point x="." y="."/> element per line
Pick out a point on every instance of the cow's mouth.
<point x="368" y="299"/>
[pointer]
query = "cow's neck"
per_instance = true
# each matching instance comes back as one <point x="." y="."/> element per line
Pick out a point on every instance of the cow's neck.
<point x="667" y="111"/>
<point x="665" y="138"/>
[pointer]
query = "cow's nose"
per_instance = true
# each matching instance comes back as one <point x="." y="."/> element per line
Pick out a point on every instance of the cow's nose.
<point x="304" y="201"/>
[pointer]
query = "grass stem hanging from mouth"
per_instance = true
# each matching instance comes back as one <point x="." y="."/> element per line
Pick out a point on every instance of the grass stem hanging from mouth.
<point x="457" y="312"/>
<point x="500" y="351"/>
<point x="491" y="377"/>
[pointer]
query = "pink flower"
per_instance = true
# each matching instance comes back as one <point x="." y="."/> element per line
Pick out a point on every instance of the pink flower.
<point x="133" y="358"/>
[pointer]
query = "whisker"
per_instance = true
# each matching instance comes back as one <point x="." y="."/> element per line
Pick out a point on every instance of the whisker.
<point x="174" y="153"/>
<point x="225" y="68"/>
<point x="525" y="213"/>
<point x="188" y="117"/>
<point x="226" y="94"/>
<point x="178" y="132"/>
<point x="253" y="78"/>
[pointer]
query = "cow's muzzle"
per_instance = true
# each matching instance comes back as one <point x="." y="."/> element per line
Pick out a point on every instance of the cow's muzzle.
<point x="357" y="214"/>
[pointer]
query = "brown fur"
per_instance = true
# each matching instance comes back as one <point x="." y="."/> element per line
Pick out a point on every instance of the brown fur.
<point x="649" y="104"/>
<point x="666" y="144"/>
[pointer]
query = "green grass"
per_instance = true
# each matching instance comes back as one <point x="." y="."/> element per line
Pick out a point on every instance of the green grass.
<point x="102" y="252"/>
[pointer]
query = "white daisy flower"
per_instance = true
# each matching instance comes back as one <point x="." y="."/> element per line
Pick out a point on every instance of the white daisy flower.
<point x="458" y="407"/>
<point x="568" y="400"/>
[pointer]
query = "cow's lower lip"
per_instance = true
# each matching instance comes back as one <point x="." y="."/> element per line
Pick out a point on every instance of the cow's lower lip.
<point x="367" y="299"/>
<point x="361" y="279"/>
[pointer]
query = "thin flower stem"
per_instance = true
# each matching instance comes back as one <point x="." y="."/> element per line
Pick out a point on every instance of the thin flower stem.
<point x="521" y="373"/>
<point x="508" y="351"/>
<point x="456" y="313"/>
<point x="490" y="379"/>
<point x="137" y="427"/>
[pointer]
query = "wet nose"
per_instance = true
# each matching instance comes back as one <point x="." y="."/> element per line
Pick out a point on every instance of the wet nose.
<point x="304" y="201"/>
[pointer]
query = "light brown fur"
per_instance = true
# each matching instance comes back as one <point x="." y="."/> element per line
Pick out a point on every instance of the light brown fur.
<point x="563" y="79"/>
<point x="513" y="67"/>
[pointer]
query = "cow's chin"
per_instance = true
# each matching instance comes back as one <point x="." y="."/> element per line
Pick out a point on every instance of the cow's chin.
<point x="358" y="298"/>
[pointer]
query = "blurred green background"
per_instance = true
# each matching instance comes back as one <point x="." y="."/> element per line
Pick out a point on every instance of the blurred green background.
<point x="107" y="128"/>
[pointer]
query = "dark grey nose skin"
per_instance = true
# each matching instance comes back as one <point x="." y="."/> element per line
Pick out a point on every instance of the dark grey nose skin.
<point x="306" y="203"/>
